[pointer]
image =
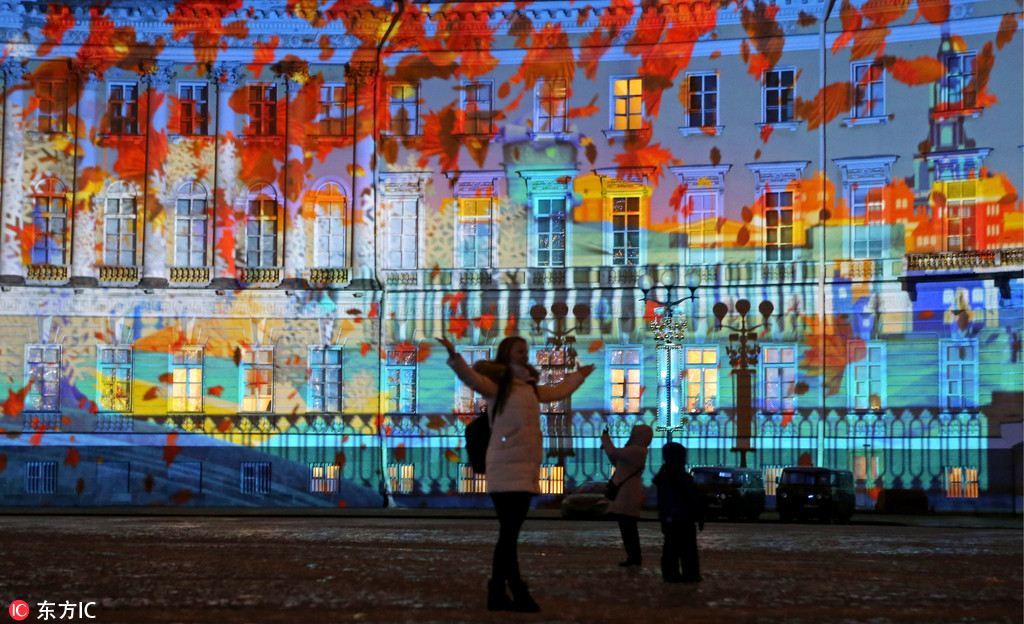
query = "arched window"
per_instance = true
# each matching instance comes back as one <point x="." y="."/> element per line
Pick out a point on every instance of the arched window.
<point x="329" y="230"/>
<point x="49" y="220"/>
<point x="261" y="228"/>
<point x="120" y="236"/>
<point x="190" y="226"/>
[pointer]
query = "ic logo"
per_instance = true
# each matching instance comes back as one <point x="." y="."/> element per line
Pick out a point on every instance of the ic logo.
<point x="18" y="610"/>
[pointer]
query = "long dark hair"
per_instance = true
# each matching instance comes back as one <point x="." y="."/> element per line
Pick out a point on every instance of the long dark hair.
<point x="504" y="357"/>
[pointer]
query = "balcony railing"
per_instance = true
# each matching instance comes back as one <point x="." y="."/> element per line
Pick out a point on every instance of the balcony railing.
<point x="190" y="275"/>
<point x="119" y="274"/>
<point x="47" y="272"/>
<point x="964" y="260"/>
<point x="328" y="276"/>
<point x="260" y="275"/>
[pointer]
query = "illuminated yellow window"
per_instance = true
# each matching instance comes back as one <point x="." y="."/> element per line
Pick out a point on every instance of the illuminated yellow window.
<point x="402" y="477"/>
<point x="961" y="482"/>
<point x="628" y="104"/>
<point x="701" y="378"/>
<point x="552" y="479"/>
<point x="624" y="377"/>
<point x="471" y="482"/>
<point x="187" y="380"/>
<point x="323" y="478"/>
<point x="115" y="379"/>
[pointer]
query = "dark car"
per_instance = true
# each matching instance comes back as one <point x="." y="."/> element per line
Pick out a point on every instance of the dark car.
<point x="810" y="492"/>
<point x="586" y="501"/>
<point x="736" y="493"/>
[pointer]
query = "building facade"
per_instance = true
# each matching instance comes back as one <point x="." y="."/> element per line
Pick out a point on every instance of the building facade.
<point x="784" y="233"/>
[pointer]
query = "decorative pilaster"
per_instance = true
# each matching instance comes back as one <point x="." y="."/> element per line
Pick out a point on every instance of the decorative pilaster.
<point x="83" y="241"/>
<point x="294" y="221"/>
<point x="154" y="256"/>
<point x="226" y="78"/>
<point x="11" y="206"/>
<point x="363" y="76"/>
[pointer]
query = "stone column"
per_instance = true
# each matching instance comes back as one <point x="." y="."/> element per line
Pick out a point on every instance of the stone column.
<point x="12" y="207"/>
<point x="226" y="77"/>
<point x="294" y="223"/>
<point x="154" y="252"/>
<point x="364" y="246"/>
<point x="83" y="229"/>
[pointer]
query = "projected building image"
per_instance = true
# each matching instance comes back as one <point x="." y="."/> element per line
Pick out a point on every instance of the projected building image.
<point x="785" y="233"/>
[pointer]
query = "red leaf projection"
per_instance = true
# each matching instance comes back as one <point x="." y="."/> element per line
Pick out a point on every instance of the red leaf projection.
<point x="73" y="458"/>
<point x="172" y="449"/>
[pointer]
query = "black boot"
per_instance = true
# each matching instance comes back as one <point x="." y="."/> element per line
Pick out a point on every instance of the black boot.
<point x="497" y="599"/>
<point x="521" y="599"/>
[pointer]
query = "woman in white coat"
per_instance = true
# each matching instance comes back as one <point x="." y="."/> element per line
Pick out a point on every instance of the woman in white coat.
<point x="515" y="452"/>
<point x="629" y="462"/>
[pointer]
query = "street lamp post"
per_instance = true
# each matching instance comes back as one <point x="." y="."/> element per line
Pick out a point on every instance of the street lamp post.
<point x="743" y="351"/>
<point x="561" y="340"/>
<point x="669" y="333"/>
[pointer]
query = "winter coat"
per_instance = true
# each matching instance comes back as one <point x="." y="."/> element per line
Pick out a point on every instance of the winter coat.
<point x="516" y="449"/>
<point x="678" y="499"/>
<point x="627" y="460"/>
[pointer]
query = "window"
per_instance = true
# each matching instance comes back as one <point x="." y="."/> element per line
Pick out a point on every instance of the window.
<point x="625" y="231"/>
<point x="255" y="478"/>
<point x="551" y="106"/>
<point x="115" y="379"/>
<point x="778" y="226"/>
<point x="323" y="478"/>
<point x="258" y="379"/>
<point x="50" y="221"/>
<point x="958" y="90"/>
<point x="403" y="234"/>
<point x="261" y="228"/>
<point x="778" y="370"/>
<point x="404" y="108"/>
<point x="473" y="234"/>
<point x="701" y="375"/>
<point x="402" y="477"/>
<point x="961" y="482"/>
<point x="41" y="477"/>
<point x="193" y="109"/>
<point x="190" y="226"/>
<point x="959" y="375"/>
<point x="123" y="108"/>
<point x="869" y="227"/>
<point x="868" y="89"/>
<point x="779" y="88"/>
<point x="120" y="223"/>
<point x="187" y="380"/>
<point x="551" y="363"/>
<point x="477" y="107"/>
<point x="702" y="100"/>
<point x="471" y="482"/>
<point x="401" y="380"/>
<point x="325" y="379"/>
<point x="42" y="373"/>
<point x="627" y="103"/>
<point x="263" y="109"/>
<point x="329" y="231"/>
<point x="960" y="211"/>
<point x="625" y="379"/>
<point x="467" y="401"/>
<point x="552" y="479"/>
<point x="867" y="375"/>
<point x="334" y="118"/>
<point x="550" y="217"/>
<point x="52" y="111"/>
<point x="701" y="226"/>
<point x="771" y="479"/>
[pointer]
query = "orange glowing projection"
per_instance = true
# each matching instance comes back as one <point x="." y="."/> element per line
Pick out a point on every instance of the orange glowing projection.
<point x="230" y="233"/>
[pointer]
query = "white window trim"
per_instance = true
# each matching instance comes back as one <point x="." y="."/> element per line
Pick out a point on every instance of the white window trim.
<point x="872" y="171"/>
<point x="463" y="100"/>
<point x="397" y="187"/>
<point x="681" y="379"/>
<point x="139" y="92"/>
<point x="270" y="191"/>
<point x="346" y="221"/>
<point x="702" y="180"/>
<point x="198" y="191"/>
<point x="850" y="381"/>
<point x="762" y="379"/>
<point x="609" y="349"/>
<point x="210" y="101"/>
<point x="341" y="372"/>
<point x="202" y="379"/>
<point x="28" y="376"/>
<point x="611" y="131"/>
<point x="415" y="366"/>
<point x="970" y="400"/>
<point x="608" y="227"/>
<point x="536" y="134"/>
<point x="777" y="176"/>
<point x="254" y="349"/>
<point x="250" y="126"/>
<point x="416" y="121"/>
<point x="348" y="123"/>
<point x="549" y="184"/>
<point x="130" y="365"/>
<point x="792" y="124"/>
<point x="119" y="189"/>
<point x="883" y="117"/>
<point x="686" y="129"/>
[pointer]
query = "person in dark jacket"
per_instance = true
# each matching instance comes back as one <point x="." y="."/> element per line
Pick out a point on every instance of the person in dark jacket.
<point x="681" y="513"/>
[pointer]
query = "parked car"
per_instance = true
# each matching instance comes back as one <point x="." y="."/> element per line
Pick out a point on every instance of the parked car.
<point x="736" y="493"/>
<point x="810" y="492"/>
<point x="586" y="501"/>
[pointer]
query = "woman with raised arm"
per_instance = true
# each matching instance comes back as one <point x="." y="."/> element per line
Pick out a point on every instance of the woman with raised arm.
<point x="515" y="452"/>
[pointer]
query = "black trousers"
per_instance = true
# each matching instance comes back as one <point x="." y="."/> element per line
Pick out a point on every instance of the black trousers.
<point x="630" y="537"/>
<point x="511" y="508"/>
<point x="679" y="560"/>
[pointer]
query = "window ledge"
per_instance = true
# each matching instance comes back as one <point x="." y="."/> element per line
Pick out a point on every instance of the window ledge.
<point x="708" y="130"/>
<point x="181" y="138"/>
<point x="782" y="125"/>
<point x="610" y="133"/>
<point x="849" y="122"/>
<point x="40" y="135"/>
<point x="548" y="136"/>
<point x="944" y="113"/>
<point x="261" y="138"/>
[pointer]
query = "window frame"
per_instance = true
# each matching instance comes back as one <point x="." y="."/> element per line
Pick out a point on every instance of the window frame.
<point x="407" y="102"/>
<point x="687" y="383"/>
<point x="121" y="226"/>
<point x="194" y="109"/>
<point x="402" y="477"/>
<point x="123" y="112"/>
<point x="50" y="189"/>
<point x="312" y="395"/>
<point x="551" y="373"/>
<point x="785" y="108"/>
<point x="702" y="93"/>
<point x="956" y="80"/>
<point x="632" y="375"/>
<point x="250" y="380"/>
<point x="404" y="238"/>
<point x="872" y="86"/>
<point x="626" y="233"/>
<point x="464" y="395"/>
<point x="324" y="478"/>
<point x="966" y="233"/>
<point x="962" y="482"/>
<point x="855" y="396"/>
<point x="47" y="399"/>
<point x="536" y="232"/>
<point x="407" y="394"/>
<point x="41" y="477"/>
<point x="118" y="389"/>
<point x="330" y="213"/>
<point x="260" y="197"/>
<point x="192" y="192"/>
<point x="559" y="104"/>
<point x="779" y="250"/>
<point x="51" y="118"/>
<point x="633" y="120"/>
<point x="781" y="394"/>
<point x="261" y="120"/>
<point x="192" y="389"/>
<point x="968" y="384"/>
<point x="467" y="232"/>
<point x="254" y="477"/>
<point x="475" y="120"/>
<point x="334" y="116"/>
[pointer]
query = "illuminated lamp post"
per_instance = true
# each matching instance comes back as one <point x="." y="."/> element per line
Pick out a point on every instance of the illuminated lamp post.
<point x="743" y="351"/>
<point x="560" y="340"/>
<point x="669" y="333"/>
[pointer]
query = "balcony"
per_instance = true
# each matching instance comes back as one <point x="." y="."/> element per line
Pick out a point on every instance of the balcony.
<point x="119" y="275"/>
<point x="197" y="276"/>
<point x="998" y="265"/>
<point x="260" y="276"/>
<point x="328" y="277"/>
<point x="46" y="273"/>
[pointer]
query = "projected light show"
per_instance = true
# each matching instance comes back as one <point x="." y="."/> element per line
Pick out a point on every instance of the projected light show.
<point x="784" y="233"/>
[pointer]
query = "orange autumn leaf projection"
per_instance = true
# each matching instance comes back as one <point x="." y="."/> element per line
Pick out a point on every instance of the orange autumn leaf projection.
<point x="15" y="402"/>
<point x="181" y="497"/>
<point x="452" y="456"/>
<point x="398" y="453"/>
<point x="172" y="449"/>
<point x="72" y="458"/>
<point x="3" y="462"/>
<point x="828" y="104"/>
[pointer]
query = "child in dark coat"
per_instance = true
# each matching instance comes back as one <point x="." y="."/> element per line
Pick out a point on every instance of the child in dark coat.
<point x="680" y="512"/>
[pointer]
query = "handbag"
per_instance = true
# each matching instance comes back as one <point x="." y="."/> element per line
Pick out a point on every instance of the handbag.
<point x="478" y="436"/>
<point x="611" y="489"/>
